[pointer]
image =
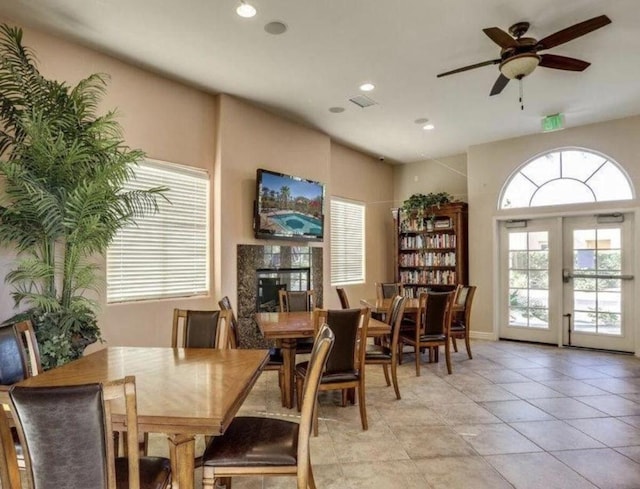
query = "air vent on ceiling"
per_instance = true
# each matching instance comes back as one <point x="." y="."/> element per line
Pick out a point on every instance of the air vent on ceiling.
<point x="363" y="101"/>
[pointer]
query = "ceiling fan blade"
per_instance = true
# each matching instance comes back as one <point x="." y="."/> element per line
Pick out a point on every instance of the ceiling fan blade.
<point x="499" y="85"/>
<point x="470" y="67"/>
<point x="570" y="33"/>
<point x="563" y="62"/>
<point x="500" y="37"/>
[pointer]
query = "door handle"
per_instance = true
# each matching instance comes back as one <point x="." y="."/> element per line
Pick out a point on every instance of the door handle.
<point x="567" y="275"/>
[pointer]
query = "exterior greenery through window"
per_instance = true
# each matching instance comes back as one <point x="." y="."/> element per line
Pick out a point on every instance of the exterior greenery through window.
<point x="164" y="255"/>
<point x="347" y="242"/>
<point x="566" y="177"/>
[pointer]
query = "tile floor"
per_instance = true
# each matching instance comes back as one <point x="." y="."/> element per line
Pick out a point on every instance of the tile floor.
<point x="517" y="415"/>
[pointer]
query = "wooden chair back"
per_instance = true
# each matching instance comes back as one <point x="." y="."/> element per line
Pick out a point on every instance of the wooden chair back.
<point x="349" y="327"/>
<point x="234" y="336"/>
<point x="394" y="320"/>
<point x="322" y="346"/>
<point x="200" y="329"/>
<point x="67" y="435"/>
<point x="434" y="315"/>
<point x="342" y="295"/>
<point x="296" y="300"/>
<point x="20" y="355"/>
<point x="465" y="300"/>
<point x="388" y="290"/>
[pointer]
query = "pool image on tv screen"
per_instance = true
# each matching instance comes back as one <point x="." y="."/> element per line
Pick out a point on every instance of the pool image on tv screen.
<point x="288" y="207"/>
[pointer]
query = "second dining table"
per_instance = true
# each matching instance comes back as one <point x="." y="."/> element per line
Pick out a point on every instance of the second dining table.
<point x="286" y="328"/>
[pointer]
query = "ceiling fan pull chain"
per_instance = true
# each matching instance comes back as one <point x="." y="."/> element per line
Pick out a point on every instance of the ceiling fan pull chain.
<point x="521" y="94"/>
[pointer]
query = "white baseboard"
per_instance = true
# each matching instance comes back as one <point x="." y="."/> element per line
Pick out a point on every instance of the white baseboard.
<point x="483" y="335"/>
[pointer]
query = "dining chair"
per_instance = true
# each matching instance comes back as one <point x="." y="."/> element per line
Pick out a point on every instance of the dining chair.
<point x="275" y="362"/>
<point x="201" y="329"/>
<point x="253" y="446"/>
<point x="386" y="353"/>
<point x="342" y="295"/>
<point x="67" y="434"/>
<point x="388" y="290"/>
<point x="19" y="360"/>
<point x="298" y="301"/>
<point x="432" y="328"/>
<point x="345" y="365"/>
<point x="460" y="321"/>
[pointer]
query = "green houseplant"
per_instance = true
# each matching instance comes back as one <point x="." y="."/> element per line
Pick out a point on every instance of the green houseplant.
<point x="62" y="171"/>
<point x="420" y="204"/>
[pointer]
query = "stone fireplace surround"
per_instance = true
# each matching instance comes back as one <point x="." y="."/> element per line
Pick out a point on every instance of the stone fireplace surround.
<point x="271" y="258"/>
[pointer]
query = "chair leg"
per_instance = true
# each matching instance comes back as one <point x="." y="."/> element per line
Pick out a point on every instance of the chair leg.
<point x="447" y="356"/>
<point x="455" y="344"/>
<point x="386" y="374"/>
<point x="299" y="381"/>
<point x="363" y="408"/>
<point x="394" y="376"/>
<point x="468" y="345"/>
<point x="281" y="384"/>
<point x="417" y="352"/>
<point x="400" y="350"/>
<point x="310" y="480"/>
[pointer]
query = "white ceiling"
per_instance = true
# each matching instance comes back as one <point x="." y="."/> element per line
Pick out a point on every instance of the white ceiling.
<point x="332" y="46"/>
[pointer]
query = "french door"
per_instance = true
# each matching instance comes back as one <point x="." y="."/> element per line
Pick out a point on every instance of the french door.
<point x="568" y="281"/>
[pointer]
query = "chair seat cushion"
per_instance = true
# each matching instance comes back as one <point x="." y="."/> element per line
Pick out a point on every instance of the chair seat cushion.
<point x="304" y="345"/>
<point x="424" y="338"/>
<point x="328" y="378"/>
<point x="254" y="442"/>
<point x="457" y="327"/>
<point x="377" y="352"/>
<point x="155" y="473"/>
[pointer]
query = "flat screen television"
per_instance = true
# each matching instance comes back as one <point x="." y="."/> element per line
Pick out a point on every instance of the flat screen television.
<point x="288" y="207"/>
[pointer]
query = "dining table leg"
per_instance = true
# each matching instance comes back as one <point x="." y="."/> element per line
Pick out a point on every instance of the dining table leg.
<point x="288" y="346"/>
<point x="182" y="452"/>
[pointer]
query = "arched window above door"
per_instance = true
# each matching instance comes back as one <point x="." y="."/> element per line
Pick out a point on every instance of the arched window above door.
<point x="572" y="176"/>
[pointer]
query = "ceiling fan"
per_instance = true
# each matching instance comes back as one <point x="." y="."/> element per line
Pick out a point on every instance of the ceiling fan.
<point x="519" y="55"/>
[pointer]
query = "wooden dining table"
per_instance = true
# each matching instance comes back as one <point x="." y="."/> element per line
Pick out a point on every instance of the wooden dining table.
<point x="411" y="305"/>
<point x="181" y="392"/>
<point x="286" y="328"/>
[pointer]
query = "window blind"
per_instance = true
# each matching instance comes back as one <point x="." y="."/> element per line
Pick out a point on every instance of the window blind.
<point x="164" y="254"/>
<point x="347" y="242"/>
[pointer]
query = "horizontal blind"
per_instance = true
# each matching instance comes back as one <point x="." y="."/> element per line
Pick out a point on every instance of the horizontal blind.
<point x="164" y="254"/>
<point x="347" y="242"/>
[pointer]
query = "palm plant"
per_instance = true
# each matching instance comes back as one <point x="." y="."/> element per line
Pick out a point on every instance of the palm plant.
<point x="62" y="172"/>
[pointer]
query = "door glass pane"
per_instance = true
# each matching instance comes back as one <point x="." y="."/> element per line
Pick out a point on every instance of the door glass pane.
<point x="529" y="279"/>
<point x="597" y="302"/>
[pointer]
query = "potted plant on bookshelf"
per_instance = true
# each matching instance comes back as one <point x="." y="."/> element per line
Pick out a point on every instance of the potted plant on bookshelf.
<point x="62" y="171"/>
<point x="421" y="205"/>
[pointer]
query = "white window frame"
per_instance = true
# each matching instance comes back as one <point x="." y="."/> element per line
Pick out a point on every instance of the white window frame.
<point x="348" y="245"/>
<point x="163" y="255"/>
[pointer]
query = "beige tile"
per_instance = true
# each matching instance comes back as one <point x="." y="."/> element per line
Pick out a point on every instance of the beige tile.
<point x="610" y="431"/>
<point x="613" y="405"/>
<point x="604" y="467"/>
<point x="487" y="392"/>
<point x="460" y="473"/>
<point x="632" y="452"/>
<point x="566" y="408"/>
<point x="530" y="390"/>
<point x="435" y="441"/>
<point x="573" y="387"/>
<point x="465" y="413"/>
<point x="539" y="374"/>
<point x="555" y="435"/>
<point x="384" y="475"/>
<point x="537" y="471"/>
<point x="493" y="439"/>
<point x="511" y="411"/>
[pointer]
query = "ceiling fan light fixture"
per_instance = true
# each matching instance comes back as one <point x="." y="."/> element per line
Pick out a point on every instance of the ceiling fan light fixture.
<point x="519" y="66"/>
<point x="246" y="10"/>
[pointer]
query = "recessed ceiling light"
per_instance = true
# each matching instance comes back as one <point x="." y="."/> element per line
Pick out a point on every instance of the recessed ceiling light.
<point x="428" y="127"/>
<point x="367" y="87"/>
<point x="336" y="110"/>
<point x="246" y="10"/>
<point x="276" y="27"/>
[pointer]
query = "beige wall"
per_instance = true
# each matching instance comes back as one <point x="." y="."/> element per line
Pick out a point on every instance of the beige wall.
<point x="362" y="178"/>
<point x="490" y="165"/>
<point x="230" y="139"/>
<point x="436" y="175"/>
